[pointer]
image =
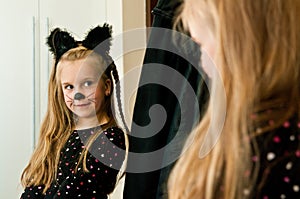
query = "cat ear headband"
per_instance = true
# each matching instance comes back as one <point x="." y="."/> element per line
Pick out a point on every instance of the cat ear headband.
<point x="60" y="41"/>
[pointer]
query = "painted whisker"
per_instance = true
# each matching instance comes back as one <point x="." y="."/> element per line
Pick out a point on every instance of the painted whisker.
<point x="92" y="100"/>
<point x="90" y="95"/>
<point x="70" y="98"/>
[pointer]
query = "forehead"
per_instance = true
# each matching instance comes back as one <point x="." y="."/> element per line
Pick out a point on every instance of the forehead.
<point x="79" y="69"/>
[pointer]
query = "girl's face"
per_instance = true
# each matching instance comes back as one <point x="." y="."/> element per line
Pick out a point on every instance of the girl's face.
<point x="84" y="91"/>
<point x="201" y="34"/>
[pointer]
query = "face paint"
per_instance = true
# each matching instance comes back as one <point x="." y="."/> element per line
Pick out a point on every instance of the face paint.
<point x="79" y="96"/>
<point x="84" y="91"/>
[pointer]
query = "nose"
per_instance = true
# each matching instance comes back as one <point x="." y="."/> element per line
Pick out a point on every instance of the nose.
<point x="79" y="96"/>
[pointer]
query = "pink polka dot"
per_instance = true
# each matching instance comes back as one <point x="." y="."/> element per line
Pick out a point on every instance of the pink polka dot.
<point x="255" y="158"/>
<point x="286" y="124"/>
<point x="286" y="179"/>
<point x="297" y="153"/>
<point x="276" y="139"/>
<point x="298" y="124"/>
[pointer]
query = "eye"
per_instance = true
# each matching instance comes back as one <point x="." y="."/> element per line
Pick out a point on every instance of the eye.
<point x="68" y="87"/>
<point x="88" y="83"/>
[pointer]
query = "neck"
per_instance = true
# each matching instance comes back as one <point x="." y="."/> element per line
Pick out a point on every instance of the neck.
<point x="85" y="123"/>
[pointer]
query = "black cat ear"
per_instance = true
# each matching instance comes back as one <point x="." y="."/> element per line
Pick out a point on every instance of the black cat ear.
<point x="60" y="42"/>
<point x="98" y="35"/>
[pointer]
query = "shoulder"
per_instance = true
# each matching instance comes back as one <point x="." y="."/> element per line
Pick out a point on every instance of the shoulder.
<point x="280" y="160"/>
<point x="116" y="135"/>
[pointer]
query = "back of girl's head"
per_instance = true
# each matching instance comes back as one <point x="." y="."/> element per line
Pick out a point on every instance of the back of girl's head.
<point x="258" y="41"/>
<point x="257" y="56"/>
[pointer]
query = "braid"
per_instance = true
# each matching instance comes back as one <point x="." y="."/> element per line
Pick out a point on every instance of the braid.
<point x="115" y="75"/>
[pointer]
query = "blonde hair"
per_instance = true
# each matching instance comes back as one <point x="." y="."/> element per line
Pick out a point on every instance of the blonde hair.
<point x="59" y="122"/>
<point x="257" y="55"/>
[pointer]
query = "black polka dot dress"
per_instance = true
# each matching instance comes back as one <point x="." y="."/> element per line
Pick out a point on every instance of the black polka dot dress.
<point x="104" y="159"/>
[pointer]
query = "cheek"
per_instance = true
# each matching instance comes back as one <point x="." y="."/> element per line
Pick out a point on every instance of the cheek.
<point x="67" y="99"/>
<point x="100" y="93"/>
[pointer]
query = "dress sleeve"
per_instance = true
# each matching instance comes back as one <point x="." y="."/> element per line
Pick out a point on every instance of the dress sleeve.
<point x="104" y="160"/>
<point x="33" y="192"/>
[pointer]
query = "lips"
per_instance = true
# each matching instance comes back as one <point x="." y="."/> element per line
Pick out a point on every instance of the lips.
<point x="82" y="104"/>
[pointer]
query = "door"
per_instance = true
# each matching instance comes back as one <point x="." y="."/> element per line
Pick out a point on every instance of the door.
<point x="18" y="22"/>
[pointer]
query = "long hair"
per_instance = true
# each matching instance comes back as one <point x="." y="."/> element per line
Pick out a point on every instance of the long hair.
<point x="59" y="121"/>
<point x="257" y="56"/>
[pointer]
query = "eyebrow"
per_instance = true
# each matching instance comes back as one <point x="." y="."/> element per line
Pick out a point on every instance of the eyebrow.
<point x="65" y="83"/>
<point x="83" y="80"/>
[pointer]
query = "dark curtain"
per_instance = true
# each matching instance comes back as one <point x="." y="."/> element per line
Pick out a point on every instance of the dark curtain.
<point x="179" y="120"/>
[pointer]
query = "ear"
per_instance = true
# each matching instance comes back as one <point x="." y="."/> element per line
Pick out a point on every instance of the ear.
<point x="107" y="86"/>
<point x="60" y="42"/>
<point x="99" y="35"/>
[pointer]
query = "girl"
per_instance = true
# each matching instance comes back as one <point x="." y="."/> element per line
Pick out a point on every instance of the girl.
<point x="255" y="46"/>
<point x="81" y="149"/>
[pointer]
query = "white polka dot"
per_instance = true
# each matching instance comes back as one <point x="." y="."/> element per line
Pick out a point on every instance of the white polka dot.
<point x="282" y="196"/>
<point x="246" y="192"/>
<point x="271" y="156"/>
<point x="292" y="137"/>
<point x="289" y="165"/>
<point x="296" y="188"/>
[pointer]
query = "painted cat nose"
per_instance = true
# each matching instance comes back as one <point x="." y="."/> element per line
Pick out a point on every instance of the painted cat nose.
<point x="79" y="96"/>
